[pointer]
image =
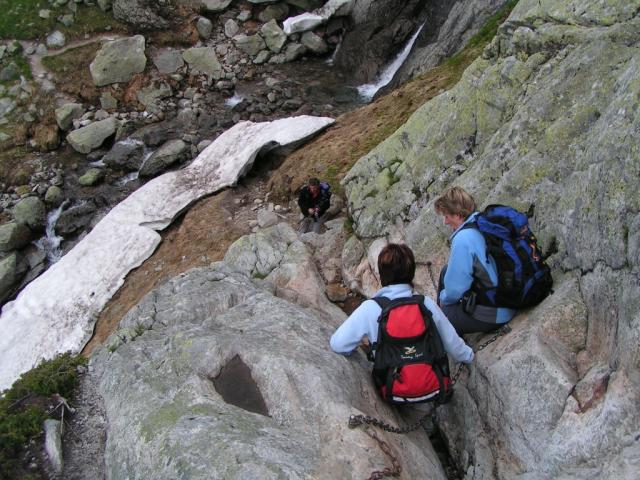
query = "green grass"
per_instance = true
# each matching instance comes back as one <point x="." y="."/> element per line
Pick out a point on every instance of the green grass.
<point x="19" y="19"/>
<point x="22" y="407"/>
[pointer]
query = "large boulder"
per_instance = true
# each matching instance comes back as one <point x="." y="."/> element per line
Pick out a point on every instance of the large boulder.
<point x="225" y="368"/>
<point x="125" y="155"/>
<point x="273" y="36"/>
<point x="87" y="139"/>
<point x="75" y="218"/>
<point x="544" y="121"/>
<point x="167" y="61"/>
<point x="14" y="235"/>
<point x="249" y="44"/>
<point x="171" y="152"/>
<point x="118" y="61"/>
<point x="144" y="14"/>
<point x="203" y="60"/>
<point x="67" y="113"/>
<point x="12" y="269"/>
<point x="32" y="212"/>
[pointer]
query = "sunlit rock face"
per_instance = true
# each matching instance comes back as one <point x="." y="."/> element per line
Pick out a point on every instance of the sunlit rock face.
<point x="56" y="312"/>
<point x="226" y="372"/>
<point x="545" y="121"/>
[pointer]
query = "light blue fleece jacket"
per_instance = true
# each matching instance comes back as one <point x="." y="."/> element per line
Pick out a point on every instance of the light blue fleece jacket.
<point x="469" y="260"/>
<point x="364" y="321"/>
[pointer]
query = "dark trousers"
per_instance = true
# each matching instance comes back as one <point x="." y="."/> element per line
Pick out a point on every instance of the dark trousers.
<point x="461" y="320"/>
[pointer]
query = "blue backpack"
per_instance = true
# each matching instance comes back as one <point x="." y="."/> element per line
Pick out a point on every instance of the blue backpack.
<point x="524" y="279"/>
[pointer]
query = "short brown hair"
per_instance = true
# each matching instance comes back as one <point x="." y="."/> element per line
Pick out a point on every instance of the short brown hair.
<point x="396" y="265"/>
<point x="455" y="201"/>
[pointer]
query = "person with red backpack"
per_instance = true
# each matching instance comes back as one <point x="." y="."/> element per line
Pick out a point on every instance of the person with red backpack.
<point x="408" y="334"/>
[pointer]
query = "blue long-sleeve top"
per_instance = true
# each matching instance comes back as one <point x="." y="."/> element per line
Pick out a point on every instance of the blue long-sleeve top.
<point x="364" y="321"/>
<point x="469" y="260"/>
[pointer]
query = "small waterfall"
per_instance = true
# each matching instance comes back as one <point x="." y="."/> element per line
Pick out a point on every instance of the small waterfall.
<point x="235" y="100"/>
<point x="369" y="90"/>
<point x="332" y="58"/>
<point x="129" y="177"/>
<point x="50" y="243"/>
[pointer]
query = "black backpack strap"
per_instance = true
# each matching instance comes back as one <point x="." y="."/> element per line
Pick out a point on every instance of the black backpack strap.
<point x="383" y="302"/>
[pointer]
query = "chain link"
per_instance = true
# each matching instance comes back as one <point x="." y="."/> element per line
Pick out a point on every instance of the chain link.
<point x="395" y="470"/>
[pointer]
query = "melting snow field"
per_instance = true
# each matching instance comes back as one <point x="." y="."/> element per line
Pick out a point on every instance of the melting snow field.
<point x="57" y="311"/>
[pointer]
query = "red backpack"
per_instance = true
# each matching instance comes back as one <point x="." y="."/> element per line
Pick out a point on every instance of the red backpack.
<point x="410" y="363"/>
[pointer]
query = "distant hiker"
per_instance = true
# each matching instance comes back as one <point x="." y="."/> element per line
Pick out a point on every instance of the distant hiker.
<point x="410" y="363"/>
<point x="494" y="267"/>
<point x="314" y="200"/>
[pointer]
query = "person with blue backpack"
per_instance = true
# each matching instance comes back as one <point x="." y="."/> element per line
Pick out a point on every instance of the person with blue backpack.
<point x="314" y="201"/>
<point x="495" y="266"/>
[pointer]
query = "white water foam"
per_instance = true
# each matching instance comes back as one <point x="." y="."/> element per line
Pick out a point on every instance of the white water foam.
<point x="368" y="90"/>
<point x="235" y="100"/>
<point x="50" y="243"/>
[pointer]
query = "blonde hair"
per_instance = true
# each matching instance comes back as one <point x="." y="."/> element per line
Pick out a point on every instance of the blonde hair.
<point x="455" y="201"/>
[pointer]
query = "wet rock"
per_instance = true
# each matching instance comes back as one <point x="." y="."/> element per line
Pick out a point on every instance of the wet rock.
<point x="46" y="137"/>
<point x="118" y="60"/>
<point x="92" y="177"/>
<point x="306" y="5"/>
<point x="231" y="28"/>
<point x="171" y="152"/>
<point x="277" y="12"/>
<point x="203" y="60"/>
<point x="53" y="443"/>
<point x="13" y="236"/>
<point x="314" y="42"/>
<point x="168" y="61"/>
<point x="54" y="196"/>
<point x="31" y="212"/>
<point x="249" y="44"/>
<point x="66" y="114"/>
<point x="215" y="5"/>
<point x="204" y="27"/>
<point x="125" y="155"/>
<point x="56" y="39"/>
<point x="75" y="218"/>
<point x="12" y="269"/>
<point x="273" y="35"/>
<point x="88" y="138"/>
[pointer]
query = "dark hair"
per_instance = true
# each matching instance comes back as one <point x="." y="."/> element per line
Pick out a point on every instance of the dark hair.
<point x="313" y="181"/>
<point x="396" y="265"/>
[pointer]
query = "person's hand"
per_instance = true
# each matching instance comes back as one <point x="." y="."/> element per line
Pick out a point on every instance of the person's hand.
<point x="312" y="211"/>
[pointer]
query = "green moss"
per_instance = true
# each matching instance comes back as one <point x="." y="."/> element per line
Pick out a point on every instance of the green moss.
<point x="21" y="414"/>
<point x="90" y="20"/>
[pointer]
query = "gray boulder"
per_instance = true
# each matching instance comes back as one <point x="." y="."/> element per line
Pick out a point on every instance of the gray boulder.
<point x="53" y="443"/>
<point x="108" y="102"/>
<point x="145" y="14"/>
<point x="231" y="28"/>
<point x="206" y="330"/>
<point x="125" y="155"/>
<point x="13" y="236"/>
<point x="171" y="152"/>
<point x="118" y="61"/>
<point x="274" y="36"/>
<point x="204" y="27"/>
<point x="215" y="6"/>
<point x="294" y="51"/>
<point x="314" y="43"/>
<point x="267" y="218"/>
<point x="12" y="269"/>
<point x="31" y="212"/>
<point x="151" y="95"/>
<point x="306" y="5"/>
<point x="249" y="44"/>
<point x="277" y="12"/>
<point x="168" y="61"/>
<point x="56" y="39"/>
<point x="66" y="114"/>
<point x="555" y="397"/>
<point x="203" y="60"/>
<point x="88" y="138"/>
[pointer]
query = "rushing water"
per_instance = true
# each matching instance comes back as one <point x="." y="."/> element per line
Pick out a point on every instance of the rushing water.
<point x="50" y="243"/>
<point x="233" y="101"/>
<point x="369" y="90"/>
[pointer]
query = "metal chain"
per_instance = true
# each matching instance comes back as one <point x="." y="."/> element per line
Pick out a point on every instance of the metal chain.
<point x="395" y="470"/>
<point x="357" y="420"/>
